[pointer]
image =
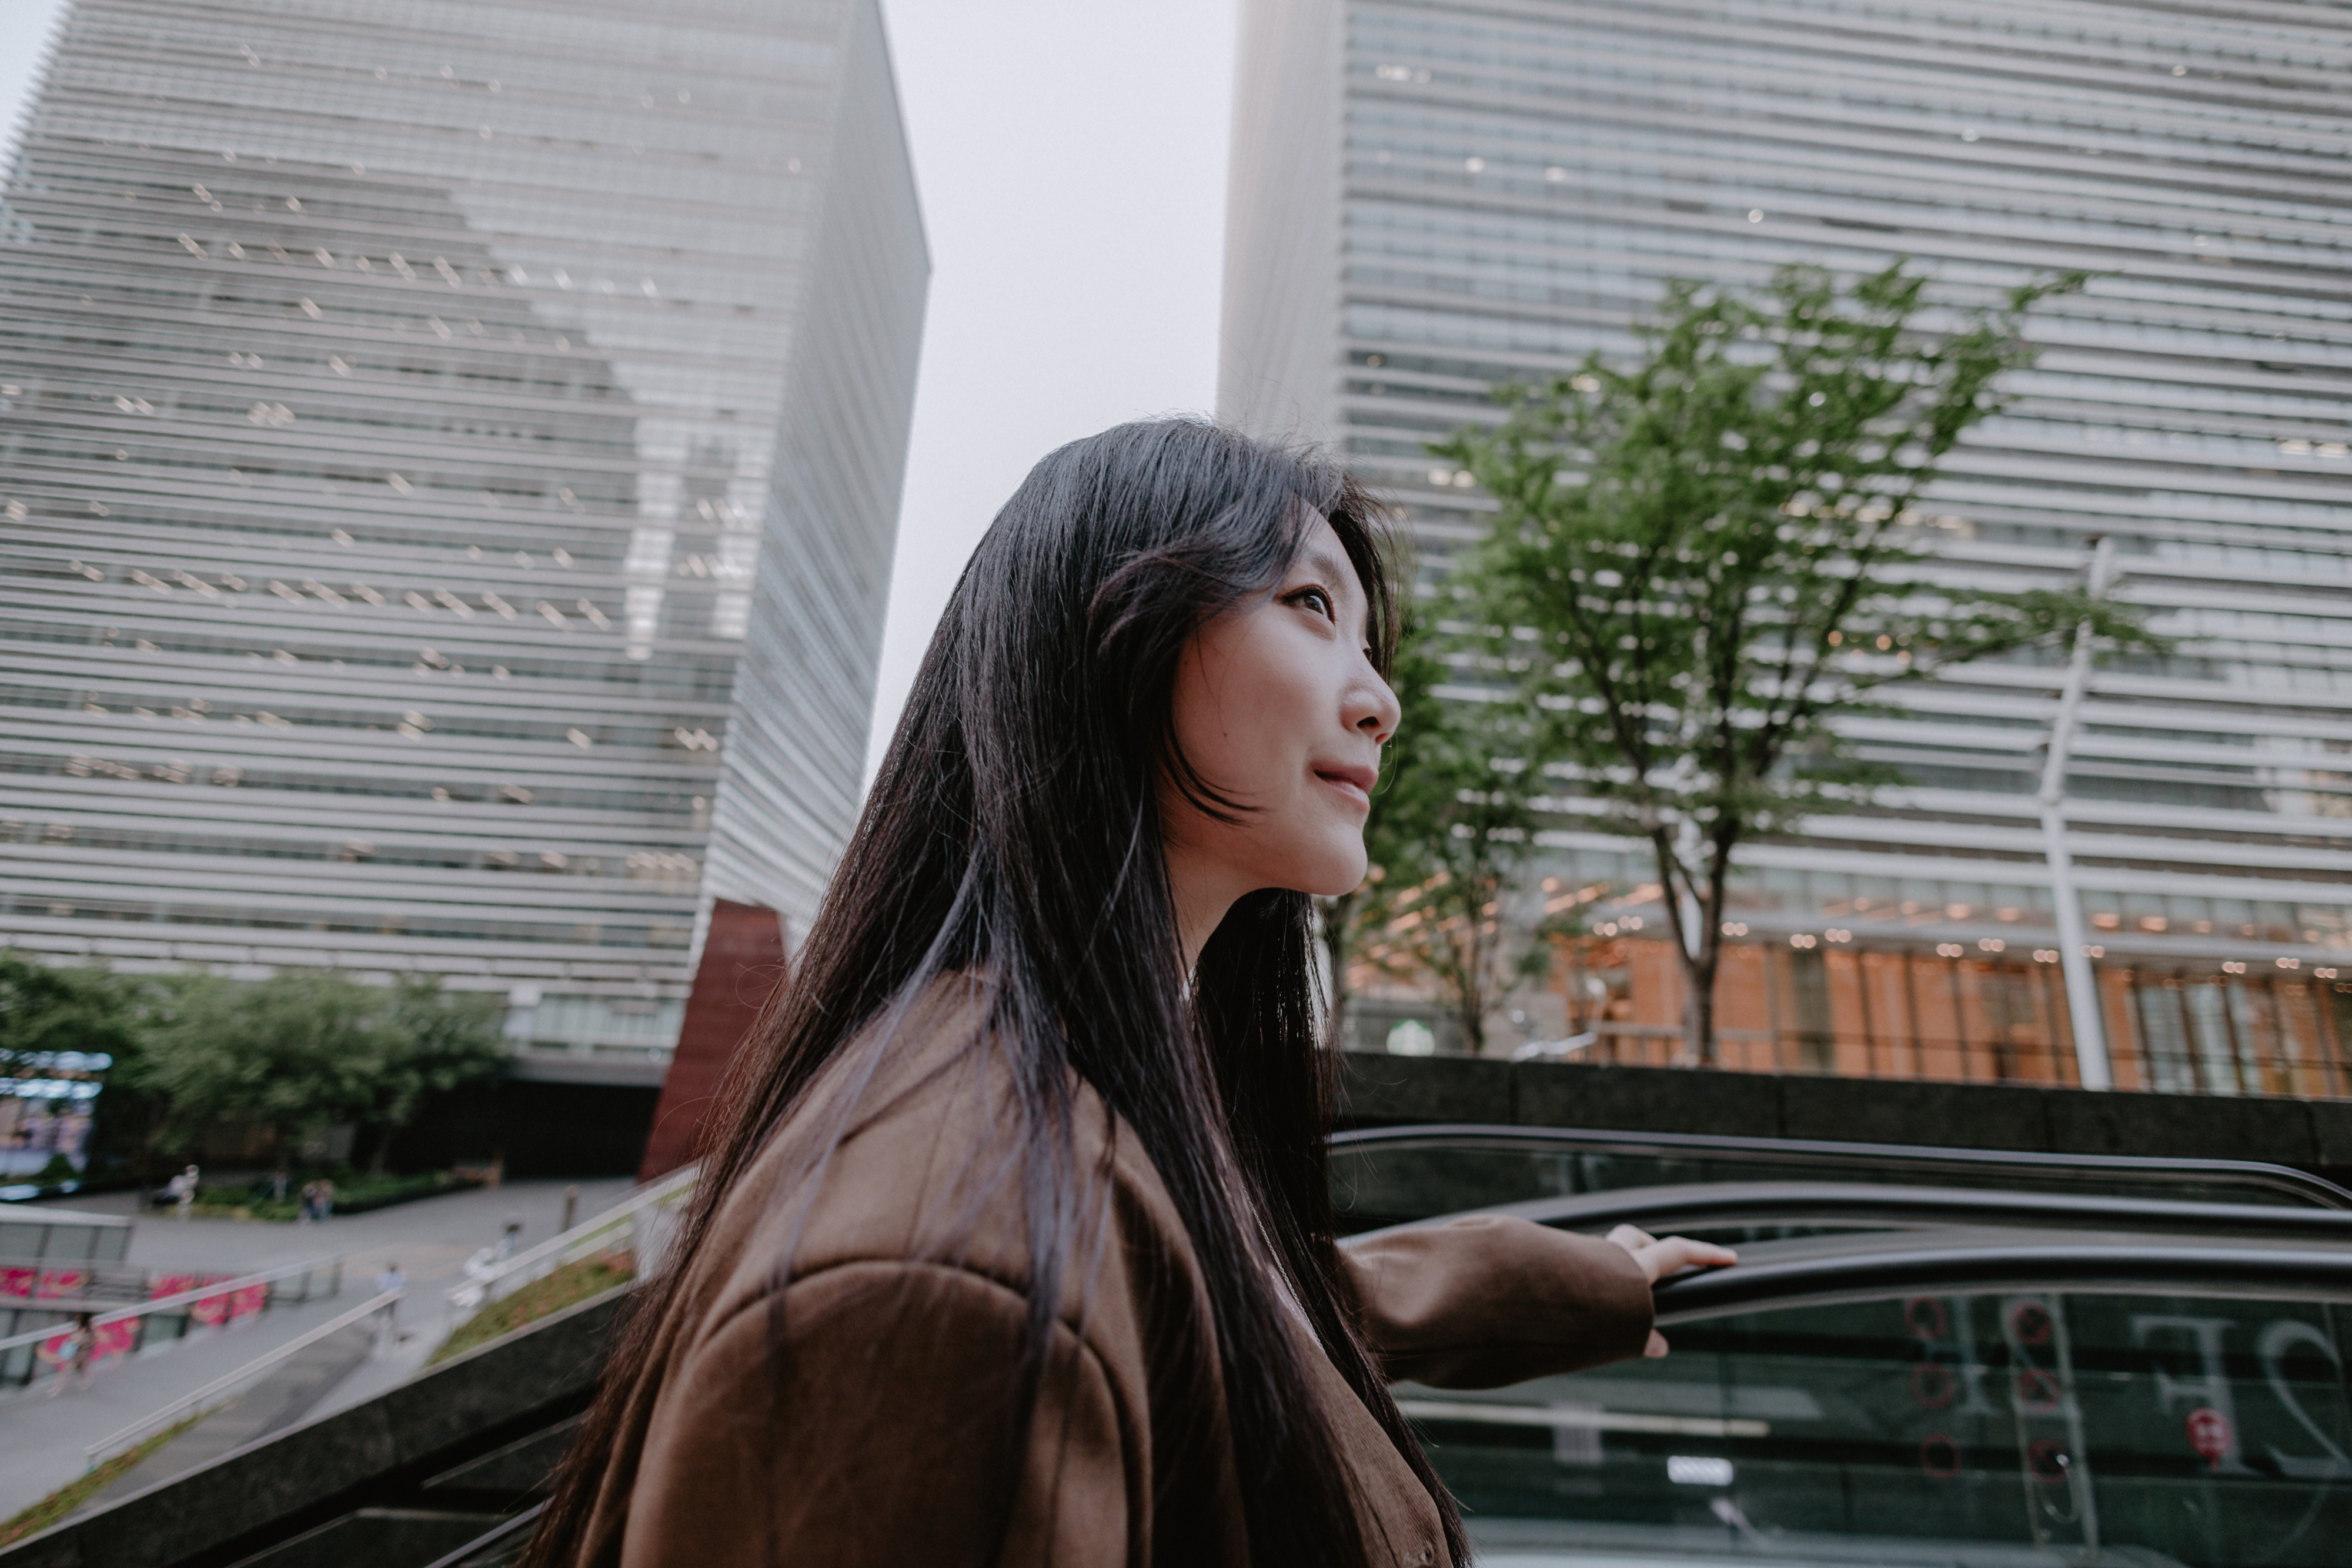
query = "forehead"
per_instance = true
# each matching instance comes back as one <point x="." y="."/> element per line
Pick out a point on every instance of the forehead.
<point x="1320" y="554"/>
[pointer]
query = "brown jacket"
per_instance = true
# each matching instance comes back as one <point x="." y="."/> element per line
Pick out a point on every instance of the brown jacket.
<point x="840" y="1413"/>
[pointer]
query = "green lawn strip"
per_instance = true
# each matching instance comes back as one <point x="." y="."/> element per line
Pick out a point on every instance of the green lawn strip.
<point x="73" y="1494"/>
<point x="567" y="1286"/>
<point x="351" y="1198"/>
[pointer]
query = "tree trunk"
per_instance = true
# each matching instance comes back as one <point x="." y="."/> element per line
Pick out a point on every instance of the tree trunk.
<point x="1698" y="1005"/>
<point x="1474" y="956"/>
<point x="1470" y="1009"/>
<point x="1702" y="957"/>
<point x="1696" y="950"/>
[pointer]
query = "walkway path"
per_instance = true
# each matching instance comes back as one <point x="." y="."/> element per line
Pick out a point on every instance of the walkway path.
<point x="42" y="1439"/>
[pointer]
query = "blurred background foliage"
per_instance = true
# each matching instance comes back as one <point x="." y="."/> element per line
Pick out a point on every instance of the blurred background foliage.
<point x="191" y="1056"/>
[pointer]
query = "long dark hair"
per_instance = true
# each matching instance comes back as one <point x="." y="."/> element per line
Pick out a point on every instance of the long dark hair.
<point x="1013" y="832"/>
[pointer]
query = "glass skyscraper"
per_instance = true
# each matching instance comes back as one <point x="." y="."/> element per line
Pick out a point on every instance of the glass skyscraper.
<point x="1435" y="196"/>
<point x="449" y="467"/>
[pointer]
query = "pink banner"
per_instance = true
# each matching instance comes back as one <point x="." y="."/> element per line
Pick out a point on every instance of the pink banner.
<point x="18" y="1282"/>
<point x="223" y="1308"/>
<point x="62" y="1283"/>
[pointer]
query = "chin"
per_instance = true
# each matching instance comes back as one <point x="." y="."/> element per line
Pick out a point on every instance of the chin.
<point x="1334" y="875"/>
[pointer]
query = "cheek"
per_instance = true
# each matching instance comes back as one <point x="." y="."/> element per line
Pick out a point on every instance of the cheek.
<point x="1243" y="713"/>
<point x="1255" y="701"/>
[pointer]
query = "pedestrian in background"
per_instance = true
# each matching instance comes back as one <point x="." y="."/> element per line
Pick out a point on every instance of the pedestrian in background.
<point x="389" y="1279"/>
<point x="73" y="1354"/>
<point x="182" y="1190"/>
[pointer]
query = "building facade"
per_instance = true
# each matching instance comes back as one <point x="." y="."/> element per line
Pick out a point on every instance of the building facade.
<point x="449" y="468"/>
<point x="1432" y="197"/>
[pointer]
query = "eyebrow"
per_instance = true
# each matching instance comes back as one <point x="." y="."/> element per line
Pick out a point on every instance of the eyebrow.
<point x="1320" y="563"/>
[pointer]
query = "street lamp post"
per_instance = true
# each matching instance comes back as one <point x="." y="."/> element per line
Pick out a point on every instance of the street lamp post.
<point x="2081" y="987"/>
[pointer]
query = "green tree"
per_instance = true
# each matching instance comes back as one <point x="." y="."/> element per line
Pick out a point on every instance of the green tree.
<point x="309" y="1047"/>
<point x="438" y="1040"/>
<point x="46" y="1010"/>
<point x="1452" y="828"/>
<point x="1706" y="555"/>
<point x="289" y="1052"/>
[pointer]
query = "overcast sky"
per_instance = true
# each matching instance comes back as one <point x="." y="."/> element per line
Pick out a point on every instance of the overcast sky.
<point x="1071" y="157"/>
<point x="24" y="28"/>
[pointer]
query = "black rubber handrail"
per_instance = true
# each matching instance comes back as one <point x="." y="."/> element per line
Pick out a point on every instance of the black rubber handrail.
<point x="1779" y="1275"/>
<point x="1897" y="1159"/>
<point x="1691" y="1205"/>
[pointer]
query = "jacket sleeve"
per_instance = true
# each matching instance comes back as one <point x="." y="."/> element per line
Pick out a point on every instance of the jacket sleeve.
<point x="1488" y="1298"/>
<point x="857" y="1419"/>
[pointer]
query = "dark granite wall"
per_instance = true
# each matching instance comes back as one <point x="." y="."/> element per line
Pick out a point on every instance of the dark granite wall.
<point x="541" y="1129"/>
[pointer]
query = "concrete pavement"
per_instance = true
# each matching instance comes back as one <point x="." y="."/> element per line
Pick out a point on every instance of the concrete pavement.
<point x="42" y="1439"/>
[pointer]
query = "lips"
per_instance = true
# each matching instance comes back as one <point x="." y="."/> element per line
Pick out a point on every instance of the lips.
<point x="1357" y="781"/>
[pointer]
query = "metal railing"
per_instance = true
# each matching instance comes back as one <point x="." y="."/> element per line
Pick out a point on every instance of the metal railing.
<point x="1828" y="1270"/>
<point x="497" y="1544"/>
<point x="62" y="1236"/>
<point x="28" y="1281"/>
<point x="35" y="1292"/>
<point x="148" y="1326"/>
<point x="1713" y="1206"/>
<point x="223" y="1392"/>
<point x="641" y="1227"/>
<point x="1724" y="1155"/>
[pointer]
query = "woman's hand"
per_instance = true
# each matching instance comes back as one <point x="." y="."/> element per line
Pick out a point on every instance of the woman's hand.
<point x="1659" y="1259"/>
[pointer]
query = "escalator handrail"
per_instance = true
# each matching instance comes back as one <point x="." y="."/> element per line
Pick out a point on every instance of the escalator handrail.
<point x="1683" y="1206"/>
<point x="1789" y="1276"/>
<point x="498" y="1534"/>
<point x="2306" y="1188"/>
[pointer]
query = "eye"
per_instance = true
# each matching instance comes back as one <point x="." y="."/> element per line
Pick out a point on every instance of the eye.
<point x="1314" y="599"/>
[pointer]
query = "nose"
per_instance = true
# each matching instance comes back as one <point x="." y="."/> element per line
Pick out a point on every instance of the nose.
<point x="1372" y="708"/>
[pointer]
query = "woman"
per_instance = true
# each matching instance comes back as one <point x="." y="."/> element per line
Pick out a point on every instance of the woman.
<point x="71" y="1353"/>
<point x="1015" y="1244"/>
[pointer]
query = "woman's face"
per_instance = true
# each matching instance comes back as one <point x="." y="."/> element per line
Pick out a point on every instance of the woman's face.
<point x="1278" y="709"/>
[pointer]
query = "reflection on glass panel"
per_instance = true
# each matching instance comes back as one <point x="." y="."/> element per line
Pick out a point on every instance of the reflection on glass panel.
<point x="2033" y="1428"/>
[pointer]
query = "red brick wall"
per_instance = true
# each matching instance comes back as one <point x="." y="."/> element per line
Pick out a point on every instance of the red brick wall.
<point x="742" y="962"/>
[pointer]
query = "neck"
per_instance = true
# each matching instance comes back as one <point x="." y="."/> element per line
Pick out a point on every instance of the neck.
<point x="1202" y="898"/>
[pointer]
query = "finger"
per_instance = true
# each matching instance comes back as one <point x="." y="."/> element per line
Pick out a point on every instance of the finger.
<point x="1676" y="1253"/>
<point x="1656" y="1347"/>
<point x="1702" y="1252"/>
<point x="1632" y="1237"/>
